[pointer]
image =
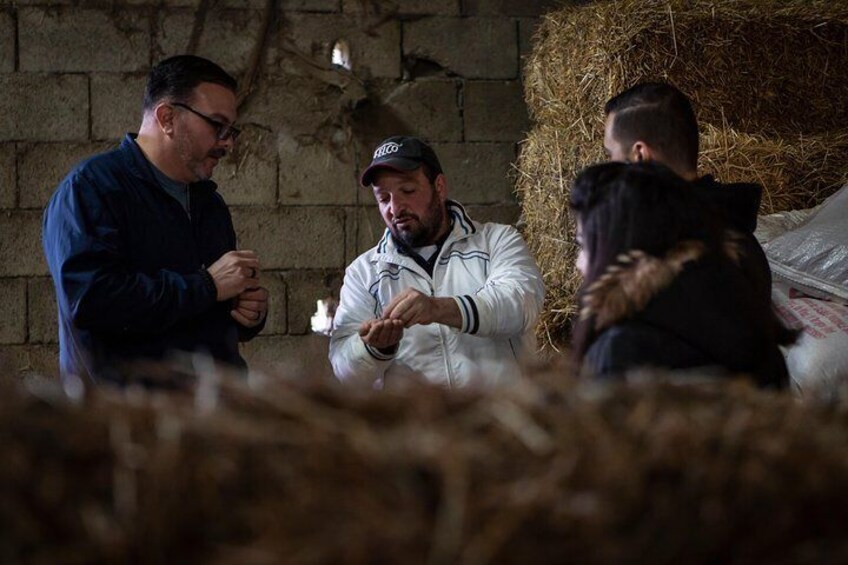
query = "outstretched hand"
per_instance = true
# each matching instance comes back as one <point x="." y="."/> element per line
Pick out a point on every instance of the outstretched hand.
<point x="407" y="309"/>
<point x="381" y="334"/>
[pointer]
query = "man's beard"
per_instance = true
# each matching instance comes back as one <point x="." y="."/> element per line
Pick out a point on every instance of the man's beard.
<point x="427" y="230"/>
<point x="185" y="148"/>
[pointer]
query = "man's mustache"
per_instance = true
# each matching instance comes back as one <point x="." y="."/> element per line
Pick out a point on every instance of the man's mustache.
<point x="218" y="153"/>
<point x="405" y="217"/>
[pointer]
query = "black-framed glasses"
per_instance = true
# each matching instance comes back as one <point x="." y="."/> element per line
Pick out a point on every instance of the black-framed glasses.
<point x="222" y="131"/>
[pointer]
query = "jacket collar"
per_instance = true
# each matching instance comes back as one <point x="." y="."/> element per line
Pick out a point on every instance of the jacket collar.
<point x="140" y="167"/>
<point x="462" y="226"/>
<point x="738" y="203"/>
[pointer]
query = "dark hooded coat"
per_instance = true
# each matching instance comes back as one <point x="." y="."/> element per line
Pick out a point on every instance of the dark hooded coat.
<point x="689" y="309"/>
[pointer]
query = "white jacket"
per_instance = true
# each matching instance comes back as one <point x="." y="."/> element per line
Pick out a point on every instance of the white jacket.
<point x="490" y="273"/>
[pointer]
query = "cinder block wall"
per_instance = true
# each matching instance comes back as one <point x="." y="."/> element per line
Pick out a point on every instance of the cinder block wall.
<point x="72" y="75"/>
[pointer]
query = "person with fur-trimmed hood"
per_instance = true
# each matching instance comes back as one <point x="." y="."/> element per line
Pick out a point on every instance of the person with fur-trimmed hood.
<point x="665" y="285"/>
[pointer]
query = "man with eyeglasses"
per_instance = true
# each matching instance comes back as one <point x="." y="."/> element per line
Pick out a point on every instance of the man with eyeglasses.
<point x="140" y="245"/>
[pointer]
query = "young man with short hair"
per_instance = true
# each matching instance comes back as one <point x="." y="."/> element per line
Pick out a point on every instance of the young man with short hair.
<point x="654" y="121"/>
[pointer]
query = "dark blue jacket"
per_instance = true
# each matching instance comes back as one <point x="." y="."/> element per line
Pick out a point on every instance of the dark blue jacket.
<point x="128" y="266"/>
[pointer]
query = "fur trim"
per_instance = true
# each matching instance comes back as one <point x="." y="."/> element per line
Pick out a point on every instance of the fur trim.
<point x="627" y="286"/>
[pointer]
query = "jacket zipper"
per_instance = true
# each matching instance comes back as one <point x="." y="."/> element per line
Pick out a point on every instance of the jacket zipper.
<point x="440" y="327"/>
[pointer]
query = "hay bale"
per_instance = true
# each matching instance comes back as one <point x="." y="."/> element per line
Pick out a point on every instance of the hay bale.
<point x="795" y="171"/>
<point x="549" y="471"/>
<point x="766" y="79"/>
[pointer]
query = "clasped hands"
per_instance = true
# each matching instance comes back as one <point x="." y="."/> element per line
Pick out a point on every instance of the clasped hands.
<point x="236" y="275"/>
<point x="407" y="309"/>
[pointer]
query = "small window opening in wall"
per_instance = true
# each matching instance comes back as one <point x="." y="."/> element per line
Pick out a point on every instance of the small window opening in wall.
<point x="341" y="54"/>
<point x="322" y="320"/>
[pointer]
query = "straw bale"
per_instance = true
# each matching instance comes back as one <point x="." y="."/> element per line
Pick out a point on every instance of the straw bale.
<point x="272" y="471"/>
<point x="795" y="172"/>
<point x="766" y="79"/>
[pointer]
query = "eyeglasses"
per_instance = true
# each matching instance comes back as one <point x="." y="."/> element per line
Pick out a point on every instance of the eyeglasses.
<point x="222" y="131"/>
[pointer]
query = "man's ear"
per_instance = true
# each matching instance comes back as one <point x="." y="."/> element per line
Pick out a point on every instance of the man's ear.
<point x="441" y="184"/>
<point x="641" y="152"/>
<point x="164" y="114"/>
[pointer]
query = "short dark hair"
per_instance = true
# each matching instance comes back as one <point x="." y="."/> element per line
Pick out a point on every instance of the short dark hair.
<point x="176" y="77"/>
<point x="660" y="115"/>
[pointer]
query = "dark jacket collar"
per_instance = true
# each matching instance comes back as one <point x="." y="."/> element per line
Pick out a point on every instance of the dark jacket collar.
<point x="139" y="166"/>
<point x="737" y="203"/>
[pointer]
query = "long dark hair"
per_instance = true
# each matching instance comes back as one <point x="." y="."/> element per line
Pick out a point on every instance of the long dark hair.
<point x="645" y="206"/>
<point x="622" y="207"/>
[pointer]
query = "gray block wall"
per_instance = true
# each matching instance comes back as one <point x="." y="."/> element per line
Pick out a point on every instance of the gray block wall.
<point x="72" y="75"/>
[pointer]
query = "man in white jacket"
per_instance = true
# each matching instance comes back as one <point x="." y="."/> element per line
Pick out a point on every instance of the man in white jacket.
<point x="440" y="295"/>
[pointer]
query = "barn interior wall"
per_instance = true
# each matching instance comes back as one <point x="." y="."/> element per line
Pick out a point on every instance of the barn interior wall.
<point x="72" y="75"/>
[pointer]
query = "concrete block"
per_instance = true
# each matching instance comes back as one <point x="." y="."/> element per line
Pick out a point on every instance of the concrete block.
<point x="293" y="105"/>
<point x="292" y="237"/>
<point x="478" y="173"/>
<point x="305" y="289"/>
<point x="21" y="254"/>
<point x="426" y="108"/>
<point x="533" y="8"/>
<point x="404" y="7"/>
<point x="194" y="4"/>
<point x="13" y="315"/>
<point x="42" y="314"/>
<point x="469" y="47"/>
<point x="290" y="356"/>
<point x="116" y="104"/>
<point x="8" y="175"/>
<point x="526" y="29"/>
<point x="313" y="173"/>
<point x="173" y="3"/>
<point x="248" y="175"/>
<point x="500" y="214"/>
<point x="374" y="44"/>
<point x="495" y="111"/>
<point x="363" y="229"/>
<point x="19" y="361"/>
<point x="110" y="4"/>
<point x="277" y="322"/>
<point x="42" y="166"/>
<point x="7" y="42"/>
<point x="171" y="33"/>
<point x="42" y="107"/>
<point x="70" y="39"/>
<point x="311" y="5"/>
<point x="228" y="36"/>
<point x="286" y="5"/>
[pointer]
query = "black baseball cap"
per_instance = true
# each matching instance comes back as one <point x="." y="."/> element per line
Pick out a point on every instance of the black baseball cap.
<point x="401" y="153"/>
